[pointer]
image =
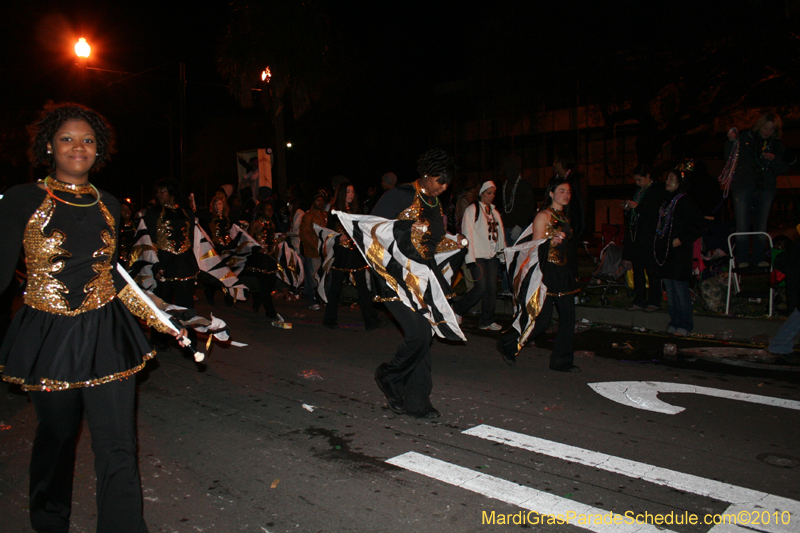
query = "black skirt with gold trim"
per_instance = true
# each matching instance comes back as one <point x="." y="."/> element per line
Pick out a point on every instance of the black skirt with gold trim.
<point x="47" y="351"/>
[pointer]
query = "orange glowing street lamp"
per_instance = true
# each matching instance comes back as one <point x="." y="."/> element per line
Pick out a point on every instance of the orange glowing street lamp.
<point x="266" y="75"/>
<point x="82" y="48"/>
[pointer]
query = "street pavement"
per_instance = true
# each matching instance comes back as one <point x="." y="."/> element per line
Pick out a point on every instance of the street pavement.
<point x="290" y="433"/>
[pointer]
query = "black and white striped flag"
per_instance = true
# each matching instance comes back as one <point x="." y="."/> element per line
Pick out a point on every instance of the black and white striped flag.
<point x="143" y="257"/>
<point x="326" y="239"/>
<point x="413" y="281"/>
<point x="212" y="264"/>
<point x="522" y="263"/>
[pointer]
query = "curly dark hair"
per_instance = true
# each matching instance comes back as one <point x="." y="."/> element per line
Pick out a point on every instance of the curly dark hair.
<point x="437" y="163"/>
<point x="53" y="116"/>
<point x="173" y="187"/>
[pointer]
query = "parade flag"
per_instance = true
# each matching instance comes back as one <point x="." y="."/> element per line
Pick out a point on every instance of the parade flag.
<point x="522" y="263"/>
<point x="412" y="280"/>
<point x="210" y="262"/>
<point x="143" y="257"/>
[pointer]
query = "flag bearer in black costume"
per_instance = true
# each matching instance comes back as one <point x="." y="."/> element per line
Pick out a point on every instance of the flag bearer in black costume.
<point x="217" y="225"/>
<point x="171" y="228"/>
<point x="73" y="345"/>
<point x="263" y="261"/>
<point x="406" y="379"/>
<point x="542" y="278"/>
<point x="348" y="261"/>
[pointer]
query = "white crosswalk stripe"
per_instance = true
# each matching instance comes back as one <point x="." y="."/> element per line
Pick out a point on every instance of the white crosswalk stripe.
<point x="745" y="501"/>
<point x="542" y="503"/>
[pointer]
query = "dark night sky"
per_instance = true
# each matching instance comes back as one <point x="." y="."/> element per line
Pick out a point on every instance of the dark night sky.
<point x="379" y="114"/>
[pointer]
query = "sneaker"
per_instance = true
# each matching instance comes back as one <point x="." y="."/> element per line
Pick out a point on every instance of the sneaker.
<point x="680" y="332"/>
<point x="670" y="329"/>
<point x="743" y="264"/>
<point x="763" y="264"/>
<point x="459" y="320"/>
<point x="651" y="308"/>
<point x="634" y="307"/>
<point x="494" y="326"/>
<point x="314" y="307"/>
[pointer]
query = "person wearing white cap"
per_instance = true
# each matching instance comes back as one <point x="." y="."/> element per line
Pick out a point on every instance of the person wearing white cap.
<point x="483" y="228"/>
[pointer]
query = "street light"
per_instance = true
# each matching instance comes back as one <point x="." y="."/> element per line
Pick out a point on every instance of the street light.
<point x="82" y="48"/>
<point x="266" y="75"/>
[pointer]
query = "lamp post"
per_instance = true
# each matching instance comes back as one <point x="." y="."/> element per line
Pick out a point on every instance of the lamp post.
<point x="82" y="48"/>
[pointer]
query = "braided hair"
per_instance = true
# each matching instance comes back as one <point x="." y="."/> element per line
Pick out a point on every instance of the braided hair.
<point x="437" y="163"/>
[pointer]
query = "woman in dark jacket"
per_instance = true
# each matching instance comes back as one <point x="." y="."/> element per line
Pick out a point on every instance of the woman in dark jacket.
<point x="758" y="157"/>
<point x="640" y="227"/>
<point x="680" y="223"/>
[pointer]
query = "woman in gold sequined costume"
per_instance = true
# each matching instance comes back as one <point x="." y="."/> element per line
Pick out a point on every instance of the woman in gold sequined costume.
<point x="171" y="228"/>
<point x="551" y="223"/>
<point x="263" y="262"/>
<point x="347" y="261"/>
<point x="406" y="379"/>
<point x="217" y="225"/>
<point x="73" y="345"/>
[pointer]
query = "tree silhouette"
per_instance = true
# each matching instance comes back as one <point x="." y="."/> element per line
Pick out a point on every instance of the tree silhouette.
<point x="292" y="39"/>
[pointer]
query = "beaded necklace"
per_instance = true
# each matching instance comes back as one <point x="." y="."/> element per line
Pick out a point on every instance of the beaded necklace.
<point x="558" y="215"/>
<point x="51" y="184"/>
<point x="730" y="166"/>
<point x="422" y="197"/>
<point x="506" y="207"/>
<point x="664" y="226"/>
<point x="491" y="223"/>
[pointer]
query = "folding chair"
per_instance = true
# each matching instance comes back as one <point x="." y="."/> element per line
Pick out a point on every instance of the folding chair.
<point x="734" y="271"/>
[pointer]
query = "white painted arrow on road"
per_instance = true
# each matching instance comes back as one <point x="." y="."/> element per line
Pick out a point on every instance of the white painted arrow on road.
<point x="643" y="395"/>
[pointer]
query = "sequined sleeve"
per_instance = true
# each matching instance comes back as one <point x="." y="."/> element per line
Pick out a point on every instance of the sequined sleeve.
<point x="141" y="310"/>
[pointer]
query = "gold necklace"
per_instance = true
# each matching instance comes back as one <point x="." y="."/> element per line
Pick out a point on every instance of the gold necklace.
<point x="88" y="188"/>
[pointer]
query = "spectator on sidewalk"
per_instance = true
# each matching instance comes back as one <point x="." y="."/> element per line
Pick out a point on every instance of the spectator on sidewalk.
<point x="758" y="155"/>
<point x="483" y="228"/>
<point x="640" y="229"/>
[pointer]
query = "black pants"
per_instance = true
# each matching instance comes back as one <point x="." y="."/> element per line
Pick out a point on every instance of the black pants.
<point x="562" y="356"/>
<point x="408" y="374"/>
<point x="266" y="284"/>
<point x="368" y="313"/>
<point x="109" y="410"/>
<point x="644" y="295"/>
<point x="484" y="289"/>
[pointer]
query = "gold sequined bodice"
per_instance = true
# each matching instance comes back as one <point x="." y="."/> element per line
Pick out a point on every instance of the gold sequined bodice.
<point x="172" y="230"/>
<point x="415" y="212"/>
<point x="556" y="254"/>
<point x="220" y="230"/>
<point x="265" y="235"/>
<point x="52" y="265"/>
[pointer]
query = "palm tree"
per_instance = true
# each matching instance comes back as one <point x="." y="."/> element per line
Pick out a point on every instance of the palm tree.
<point x="292" y="42"/>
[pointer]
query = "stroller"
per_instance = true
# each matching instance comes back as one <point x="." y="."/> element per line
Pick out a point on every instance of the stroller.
<point x="609" y="276"/>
